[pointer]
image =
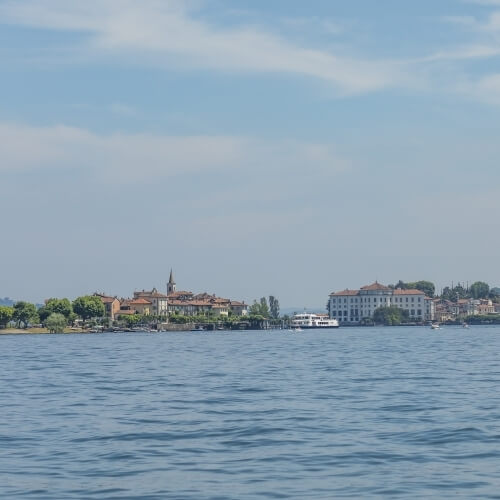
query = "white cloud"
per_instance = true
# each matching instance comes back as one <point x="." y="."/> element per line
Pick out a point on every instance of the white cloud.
<point x="148" y="157"/>
<point x="168" y="32"/>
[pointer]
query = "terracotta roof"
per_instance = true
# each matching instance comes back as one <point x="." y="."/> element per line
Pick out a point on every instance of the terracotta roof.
<point x="375" y="286"/>
<point x="153" y="293"/>
<point x="400" y="291"/>
<point x="105" y="298"/>
<point x="236" y="303"/>
<point x="179" y="294"/>
<point x="345" y="292"/>
<point x="139" y="301"/>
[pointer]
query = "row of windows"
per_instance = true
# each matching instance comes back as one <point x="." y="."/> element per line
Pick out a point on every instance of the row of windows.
<point x="381" y="300"/>
<point x="356" y="313"/>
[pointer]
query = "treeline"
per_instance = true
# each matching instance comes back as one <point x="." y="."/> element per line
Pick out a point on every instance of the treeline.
<point x="55" y="315"/>
<point x="478" y="290"/>
<point x="265" y="309"/>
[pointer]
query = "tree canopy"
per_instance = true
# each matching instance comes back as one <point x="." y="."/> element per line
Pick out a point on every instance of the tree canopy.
<point x="56" y="323"/>
<point x="25" y="313"/>
<point x="274" y="307"/>
<point x="61" y="306"/>
<point x="424" y="286"/>
<point x="260" y="308"/>
<point x="390" y="316"/>
<point x="6" y="315"/>
<point x="479" y="290"/>
<point x="88" y="306"/>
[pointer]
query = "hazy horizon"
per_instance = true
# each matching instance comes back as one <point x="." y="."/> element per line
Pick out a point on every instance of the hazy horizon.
<point x="258" y="148"/>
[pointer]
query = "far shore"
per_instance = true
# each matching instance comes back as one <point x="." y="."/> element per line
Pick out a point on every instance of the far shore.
<point x="16" y="331"/>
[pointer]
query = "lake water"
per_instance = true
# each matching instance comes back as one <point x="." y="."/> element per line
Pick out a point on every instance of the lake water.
<point x="348" y="413"/>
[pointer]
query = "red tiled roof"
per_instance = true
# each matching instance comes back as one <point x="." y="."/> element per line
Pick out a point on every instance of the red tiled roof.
<point x="139" y="301"/>
<point x="399" y="291"/>
<point x="236" y="303"/>
<point x="345" y="292"/>
<point x="105" y="299"/>
<point x="375" y="286"/>
<point x="126" y="312"/>
<point x="154" y="294"/>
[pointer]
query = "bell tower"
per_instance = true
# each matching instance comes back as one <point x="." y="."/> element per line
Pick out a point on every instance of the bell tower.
<point x="171" y="284"/>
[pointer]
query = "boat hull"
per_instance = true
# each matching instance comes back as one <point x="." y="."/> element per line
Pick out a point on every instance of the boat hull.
<point x="304" y="327"/>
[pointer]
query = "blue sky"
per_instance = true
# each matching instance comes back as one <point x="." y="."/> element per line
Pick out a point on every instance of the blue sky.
<point x="257" y="147"/>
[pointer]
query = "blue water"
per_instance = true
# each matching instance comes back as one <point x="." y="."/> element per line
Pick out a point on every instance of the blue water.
<point x="348" y="413"/>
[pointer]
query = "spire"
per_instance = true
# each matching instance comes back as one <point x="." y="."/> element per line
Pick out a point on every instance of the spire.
<point x="171" y="284"/>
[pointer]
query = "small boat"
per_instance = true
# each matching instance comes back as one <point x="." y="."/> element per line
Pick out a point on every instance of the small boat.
<point x="198" y="329"/>
<point x="465" y="325"/>
<point x="435" y="326"/>
<point x="298" y="329"/>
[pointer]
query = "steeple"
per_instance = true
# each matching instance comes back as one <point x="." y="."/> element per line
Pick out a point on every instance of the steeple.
<point x="171" y="283"/>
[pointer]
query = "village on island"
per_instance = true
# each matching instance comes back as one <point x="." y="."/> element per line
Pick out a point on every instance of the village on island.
<point x="414" y="303"/>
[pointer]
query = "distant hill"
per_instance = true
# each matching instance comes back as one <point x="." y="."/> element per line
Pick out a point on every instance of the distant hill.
<point x="6" y="301"/>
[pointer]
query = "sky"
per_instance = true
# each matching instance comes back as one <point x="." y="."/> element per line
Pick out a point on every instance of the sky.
<point x="257" y="147"/>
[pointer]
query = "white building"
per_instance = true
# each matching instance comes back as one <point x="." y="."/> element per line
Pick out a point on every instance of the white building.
<point x="351" y="306"/>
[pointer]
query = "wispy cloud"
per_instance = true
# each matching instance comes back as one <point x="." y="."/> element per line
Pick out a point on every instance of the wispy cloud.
<point x="176" y="34"/>
<point x="170" y="32"/>
<point x="147" y="158"/>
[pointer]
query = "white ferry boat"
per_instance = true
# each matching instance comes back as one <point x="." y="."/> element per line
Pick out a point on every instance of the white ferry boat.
<point x="310" y="320"/>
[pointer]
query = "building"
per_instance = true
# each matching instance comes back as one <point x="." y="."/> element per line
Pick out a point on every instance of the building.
<point x="171" y="286"/>
<point x="352" y="306"/>
<point x="111" y="305"/>
<point x="136" y="306"/>
<point x="188" y="304"/>
<point x="158" y="301"/>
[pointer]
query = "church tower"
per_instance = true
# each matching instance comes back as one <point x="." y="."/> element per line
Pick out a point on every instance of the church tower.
<point x="171" y="284"/>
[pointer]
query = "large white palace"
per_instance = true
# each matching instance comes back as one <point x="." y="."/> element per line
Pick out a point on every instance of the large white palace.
<point x="352" y="306"/>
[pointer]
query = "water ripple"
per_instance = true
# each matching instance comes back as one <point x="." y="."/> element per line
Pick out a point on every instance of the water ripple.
<point x="352" y="413"/>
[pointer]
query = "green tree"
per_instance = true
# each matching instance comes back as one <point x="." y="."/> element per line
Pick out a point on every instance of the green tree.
<point x="390" y="316"/>
<point x="455" y="293"/>
<point x="274" y="307"/>
<point x="61" y="306"/>
<point x="56" y="323"/>
<point x="449" y="294"/>
<point x="254" y="309"/>
<point x="479" y="290"/>
<point x="6" y="315"/>
<point x="264" y="308"/>
<point x="424" y="286"/>
<point x="260" y="309"/>
<point x="88" y="306"/>
<point x="25" y="313"/>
